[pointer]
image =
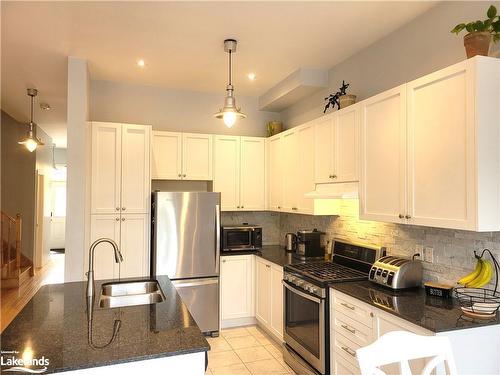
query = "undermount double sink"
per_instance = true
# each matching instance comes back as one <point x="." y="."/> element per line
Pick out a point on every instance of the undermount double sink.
<point x="130" y="293"/>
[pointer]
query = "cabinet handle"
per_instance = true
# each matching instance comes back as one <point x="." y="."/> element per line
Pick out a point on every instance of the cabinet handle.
<point x="223" y="261"/>
<point x="268" y="266"/>
<point x="242" y="206"/>
<point x="117" y="219"/>
<point x="334" y="176"/>
<point x="408" y="216"/>
<point x="117" y="208"/>
<point x="279" y="207"/>
<point x="124" y="208"/>
<point x="294" y="208"/>
<point x="237" y="206"/>
<point x="123" y="219"/>
<point x="330" y="176"/>
<point x="349" y="351"/>
<point x="347" y="328"/>
<point x="348" y="306"/>
<point x="179" y="175"/>
<point x="183" y="175"/>
<point x="401" y="216"/>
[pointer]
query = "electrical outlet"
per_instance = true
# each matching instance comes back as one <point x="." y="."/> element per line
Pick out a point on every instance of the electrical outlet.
<point x="429" y="254"/>
<point x="419" y="249"/>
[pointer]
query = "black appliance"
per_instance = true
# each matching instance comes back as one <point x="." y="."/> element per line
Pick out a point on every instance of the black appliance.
<point x="244" y="237"/>
<point x="309" y="245"/>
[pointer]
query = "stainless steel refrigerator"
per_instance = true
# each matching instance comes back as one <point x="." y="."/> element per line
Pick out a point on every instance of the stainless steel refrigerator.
<point x="186" y="248"/>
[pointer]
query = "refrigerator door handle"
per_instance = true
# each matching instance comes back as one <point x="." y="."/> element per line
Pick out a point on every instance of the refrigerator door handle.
<point x="195" y="282"/>
<point x="217" y="238"/>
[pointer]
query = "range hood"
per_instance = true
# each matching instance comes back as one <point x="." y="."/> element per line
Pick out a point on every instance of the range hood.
<point x="340" y="190"/>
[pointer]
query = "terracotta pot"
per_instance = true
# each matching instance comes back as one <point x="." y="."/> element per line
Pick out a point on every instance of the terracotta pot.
<point x="347" y="100"/>
<point x="477" y="43"/>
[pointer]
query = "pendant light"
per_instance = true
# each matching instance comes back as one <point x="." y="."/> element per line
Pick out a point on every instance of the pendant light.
<point x="230" y="113"/>
<point x="31" y="142"/>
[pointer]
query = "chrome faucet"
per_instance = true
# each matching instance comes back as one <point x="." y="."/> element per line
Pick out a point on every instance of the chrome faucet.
<point x="90" y="273"/>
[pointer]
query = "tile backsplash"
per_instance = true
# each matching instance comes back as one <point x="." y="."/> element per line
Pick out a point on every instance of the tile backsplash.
<point x="452" y="249"/>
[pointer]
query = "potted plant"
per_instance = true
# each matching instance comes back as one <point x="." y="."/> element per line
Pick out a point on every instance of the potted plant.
<point x="340" y="99"/>
<point x="480" y="33"/>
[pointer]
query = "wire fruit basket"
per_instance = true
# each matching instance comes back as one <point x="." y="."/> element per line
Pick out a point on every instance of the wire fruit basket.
<point x="481" y="303"/>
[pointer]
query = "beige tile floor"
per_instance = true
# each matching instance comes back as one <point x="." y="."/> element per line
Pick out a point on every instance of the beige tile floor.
<point x="245" y="351"/>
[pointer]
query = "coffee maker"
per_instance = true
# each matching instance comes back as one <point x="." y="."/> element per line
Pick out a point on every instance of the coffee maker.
<point x="309" y="245"/>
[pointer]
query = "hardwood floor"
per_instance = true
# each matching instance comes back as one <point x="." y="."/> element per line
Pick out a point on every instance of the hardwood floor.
<point x="13" y="300"/>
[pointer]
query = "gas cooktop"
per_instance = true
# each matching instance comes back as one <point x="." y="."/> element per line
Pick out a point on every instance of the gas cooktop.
<point x="326" y="272"/>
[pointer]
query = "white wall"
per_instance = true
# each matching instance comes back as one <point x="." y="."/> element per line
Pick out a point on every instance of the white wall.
<point x="176" y="110"/>
<point x="418" y="48"/>
<point x="77" y="152"/>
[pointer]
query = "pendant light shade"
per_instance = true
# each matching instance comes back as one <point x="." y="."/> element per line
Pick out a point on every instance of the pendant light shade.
<point x="230" y="113"/>
<point x="31" y="141"/>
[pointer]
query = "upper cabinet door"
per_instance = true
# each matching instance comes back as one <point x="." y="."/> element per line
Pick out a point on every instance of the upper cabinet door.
<point x="441" y="149"/>
<point x="305" y="169"/>
<point x="347" y="145"/>
<point x="106" y="168"/>
<point x="324" y="148"/>
<point x="196" y="156"/>
<point x="290" y="170"/>
<point x="275" y="172"/>
<point x="135" y="168"/>
<point x="167" y="154"/>
<point x="253" y="173"/>
<point x="383" y="156"/>
<point x="227" y="170"/>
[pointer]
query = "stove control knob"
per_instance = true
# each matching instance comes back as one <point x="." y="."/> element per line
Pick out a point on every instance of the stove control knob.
<point x="314" y="290"/>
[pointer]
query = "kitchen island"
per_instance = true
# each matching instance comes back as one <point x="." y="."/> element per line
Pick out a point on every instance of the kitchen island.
<point x="54" y="325"/>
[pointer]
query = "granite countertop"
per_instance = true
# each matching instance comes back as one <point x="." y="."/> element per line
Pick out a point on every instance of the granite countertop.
<point x="413" y="305"/>
<point x="54" y="325"/>
<point x="273" y="253"/>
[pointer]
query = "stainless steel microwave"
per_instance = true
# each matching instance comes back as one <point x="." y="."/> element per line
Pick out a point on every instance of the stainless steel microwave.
<point x="243" y="237"/>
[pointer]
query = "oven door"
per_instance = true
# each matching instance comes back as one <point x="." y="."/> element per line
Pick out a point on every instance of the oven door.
<point x="305" y="325"/>
<point x="237" y="239"/>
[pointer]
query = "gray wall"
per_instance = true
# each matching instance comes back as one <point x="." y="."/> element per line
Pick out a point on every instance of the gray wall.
<point x="19" y="177"/>
<point x="420" y="47"/>
<point x="175" y="110"/>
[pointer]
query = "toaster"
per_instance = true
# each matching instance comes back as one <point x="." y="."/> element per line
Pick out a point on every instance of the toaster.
<point x="396" y="273"/>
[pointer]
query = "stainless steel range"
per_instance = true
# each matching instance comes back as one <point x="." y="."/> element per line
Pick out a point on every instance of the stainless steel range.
<point x="306" y="309"/>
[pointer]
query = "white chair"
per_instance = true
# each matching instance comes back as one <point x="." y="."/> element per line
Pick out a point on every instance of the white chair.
<point x="401" y="347"/>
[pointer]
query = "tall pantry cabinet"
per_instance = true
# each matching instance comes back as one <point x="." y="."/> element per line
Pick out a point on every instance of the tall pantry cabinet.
<point x="120" y="197"/>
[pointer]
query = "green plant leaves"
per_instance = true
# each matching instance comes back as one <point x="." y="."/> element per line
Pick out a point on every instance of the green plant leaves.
<point x="492" y="12"/>
<point x="458" y="28"/>
<point x="469" y="27"/>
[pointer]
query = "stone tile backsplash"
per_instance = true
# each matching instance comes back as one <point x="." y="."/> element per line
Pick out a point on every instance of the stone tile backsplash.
<point x="268" y="220"/>
<point x="453" y="249"/>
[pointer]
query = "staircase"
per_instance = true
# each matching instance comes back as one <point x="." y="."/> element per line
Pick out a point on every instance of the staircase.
<point x="15" y="268"/>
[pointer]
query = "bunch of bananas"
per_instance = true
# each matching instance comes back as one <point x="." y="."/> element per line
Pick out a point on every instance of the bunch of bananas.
<point x="480" y="276"/>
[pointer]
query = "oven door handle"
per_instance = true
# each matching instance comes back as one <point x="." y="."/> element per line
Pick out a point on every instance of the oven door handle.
<point x="300" y="293"/>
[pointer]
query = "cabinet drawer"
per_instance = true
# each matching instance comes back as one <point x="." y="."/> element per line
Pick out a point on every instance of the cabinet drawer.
<point x="342" y="367"/>
<point x="349" y="306"/>
<point x="346" y="349"/>
<point x="352" y="329"/>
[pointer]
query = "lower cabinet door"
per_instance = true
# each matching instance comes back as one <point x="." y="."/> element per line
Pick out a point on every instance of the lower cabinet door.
<point x="104" y="226"/>
<point x="277" y="301"/>
<point x="263" y="292"/>
<point x="236" y="286"/>
<point x="134" y="245"/>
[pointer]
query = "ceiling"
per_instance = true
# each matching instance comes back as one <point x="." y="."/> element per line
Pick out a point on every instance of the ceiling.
<point x="181" y="43"/>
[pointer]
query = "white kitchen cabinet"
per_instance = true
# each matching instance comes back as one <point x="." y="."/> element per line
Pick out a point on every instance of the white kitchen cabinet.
<point x="269" y="296"/>
<point x="134" y="243"/>
<point x="275" y="172"/>
<point x="104" y="226"/>
<point x="336" y="156"/>
<point x="135" y="168"/>
<point x="252" y="173"/>
<point x="237" y="287"/>
<point x="424" y="164"/>
<point x="166" y="155"/>
<point x="120" y="168"/>
<point x="106" y="168"/>
<point x="290" y="167"/>
<point x="182" y="156"/>
<point x="239" y="172"/>
<point x="263" y="292"/>
<point x="383" y="156"/>
<point x="197" y="160"/>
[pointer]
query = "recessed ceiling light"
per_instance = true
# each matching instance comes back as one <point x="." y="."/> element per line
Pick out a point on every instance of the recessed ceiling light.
<point x="45" y="106"/>
<point x="141" y="63"/>
<point x="251" y="76"/>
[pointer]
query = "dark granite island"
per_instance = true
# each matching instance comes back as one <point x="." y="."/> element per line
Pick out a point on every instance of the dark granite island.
<point x="161" y="337"/>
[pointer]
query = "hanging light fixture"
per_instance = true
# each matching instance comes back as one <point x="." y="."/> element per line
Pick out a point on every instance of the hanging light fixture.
<point x="230" y="113"/>
<point x="31" y="142"/>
